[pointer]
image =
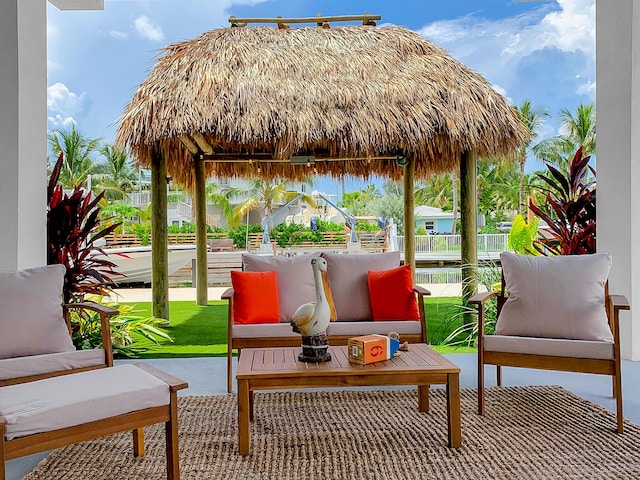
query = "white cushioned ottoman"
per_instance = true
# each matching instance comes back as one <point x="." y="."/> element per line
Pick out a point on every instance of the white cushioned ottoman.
<point x="69" y="400"/>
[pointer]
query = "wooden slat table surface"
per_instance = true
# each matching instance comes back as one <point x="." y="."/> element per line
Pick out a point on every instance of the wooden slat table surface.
<point x="279" y="368"/>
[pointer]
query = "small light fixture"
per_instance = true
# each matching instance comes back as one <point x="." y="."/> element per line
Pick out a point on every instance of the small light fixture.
<point x="259" y="169"/>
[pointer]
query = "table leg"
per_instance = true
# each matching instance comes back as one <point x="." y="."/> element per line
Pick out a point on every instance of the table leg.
<point x="423" y="398"/>
<point x="453" y="410"/>
<point x="251" y="405"/>
<point x="244" y="438"/>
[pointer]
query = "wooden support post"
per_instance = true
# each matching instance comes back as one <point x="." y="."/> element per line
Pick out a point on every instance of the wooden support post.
<point x="201" y="231"/>
<point x="469" y="228"/>
<point x="159" y="250"/>
<point x="409" y="216"/>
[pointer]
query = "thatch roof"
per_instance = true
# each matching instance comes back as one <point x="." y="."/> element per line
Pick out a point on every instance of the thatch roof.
<point x="260" y="95"/>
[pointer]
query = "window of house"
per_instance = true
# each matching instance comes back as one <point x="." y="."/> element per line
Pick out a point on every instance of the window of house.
<point x="429" y="225"/>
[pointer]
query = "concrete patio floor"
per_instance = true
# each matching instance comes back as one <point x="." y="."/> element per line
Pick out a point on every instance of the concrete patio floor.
<point x="206" y="376"/>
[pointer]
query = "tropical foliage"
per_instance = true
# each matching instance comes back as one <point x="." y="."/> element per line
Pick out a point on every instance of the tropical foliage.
<point x="75" y="150"/>
<point x="577" y="131"/>
<point x="127" y="328"/>
<point x="570" y="209"/>
<point x="72" y="228"/>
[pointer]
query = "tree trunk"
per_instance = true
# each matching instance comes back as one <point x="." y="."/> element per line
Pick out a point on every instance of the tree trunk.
<point x="409" y="216"/>
<point x="469" y="230"/>
<point x="454" y="185"/>
<point x="159" y="251"/>
<point x="201" y="231"/>
<point x="521" y="204"/>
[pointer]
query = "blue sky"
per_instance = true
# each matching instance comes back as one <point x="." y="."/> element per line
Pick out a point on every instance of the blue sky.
<point x="538" y="50"/>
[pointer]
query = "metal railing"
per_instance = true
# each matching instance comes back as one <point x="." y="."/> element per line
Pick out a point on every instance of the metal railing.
<point x="487" y="242"/>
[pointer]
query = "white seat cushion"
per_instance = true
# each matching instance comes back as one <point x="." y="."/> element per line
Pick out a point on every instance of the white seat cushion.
<point x="79" y="398"/>
<point x="549" y="346"/>
<point x="51" y="362"/>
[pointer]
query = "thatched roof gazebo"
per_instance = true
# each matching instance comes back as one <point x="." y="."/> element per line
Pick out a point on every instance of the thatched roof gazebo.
<point x="290" y="102"/>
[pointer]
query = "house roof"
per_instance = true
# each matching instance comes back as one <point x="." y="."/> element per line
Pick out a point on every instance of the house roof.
<point x="425" y="211"/>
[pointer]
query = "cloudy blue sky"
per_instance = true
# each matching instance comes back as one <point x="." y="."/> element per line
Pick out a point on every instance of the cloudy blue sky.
<point x="538" y="50"/>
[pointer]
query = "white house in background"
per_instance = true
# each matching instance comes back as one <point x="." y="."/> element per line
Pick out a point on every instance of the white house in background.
<point x="433" y="219"/>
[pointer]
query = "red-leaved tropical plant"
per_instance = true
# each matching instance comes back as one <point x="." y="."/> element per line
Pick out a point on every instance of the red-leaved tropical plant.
<point x="570" y="209"/>
<point x="72" y="228"/>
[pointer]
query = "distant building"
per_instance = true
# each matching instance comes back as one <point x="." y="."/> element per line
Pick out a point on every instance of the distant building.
<point x="433" y="219"/>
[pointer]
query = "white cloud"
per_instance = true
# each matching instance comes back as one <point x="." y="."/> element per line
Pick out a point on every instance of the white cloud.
<point x="548" y="52"/>
<point x="64" y="107"/>
<point x="148" y="29"/>
<point x="118" y="34"/>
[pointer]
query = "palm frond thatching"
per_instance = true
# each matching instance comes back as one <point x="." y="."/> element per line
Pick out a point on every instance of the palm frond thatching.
<point x="352" y="96"/>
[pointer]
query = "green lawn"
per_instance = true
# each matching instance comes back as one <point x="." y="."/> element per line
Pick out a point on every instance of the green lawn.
<point x="202" y="330"/>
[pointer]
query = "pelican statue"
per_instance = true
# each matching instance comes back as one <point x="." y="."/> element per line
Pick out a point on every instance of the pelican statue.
<point x="313" y="318"/>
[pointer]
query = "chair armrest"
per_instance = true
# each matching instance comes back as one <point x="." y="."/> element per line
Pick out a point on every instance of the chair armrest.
<point x="421" y="290"/>
<point x="105" y="326"/>
<point x="227" y="294"/>
<point x="619" y="302"/>
<point x="174" y="383"/>
<point x="481" y="298"/>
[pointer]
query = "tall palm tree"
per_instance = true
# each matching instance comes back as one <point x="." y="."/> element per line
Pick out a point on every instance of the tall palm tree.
<point x="577" y="130"/>
<point x="117" y="176"/>
<point x="76" y="149"/>
<point x="532" y="118"/>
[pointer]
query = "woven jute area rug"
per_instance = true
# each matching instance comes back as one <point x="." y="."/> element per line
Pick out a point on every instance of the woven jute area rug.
<point x="526" y="433"/>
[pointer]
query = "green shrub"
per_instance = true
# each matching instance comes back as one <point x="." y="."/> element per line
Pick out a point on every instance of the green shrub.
<point x="127" y="328"/>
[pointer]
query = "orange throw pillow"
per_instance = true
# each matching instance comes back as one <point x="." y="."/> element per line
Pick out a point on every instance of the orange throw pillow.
<point x="391" y="293"/>
<point x="255" y="297"/>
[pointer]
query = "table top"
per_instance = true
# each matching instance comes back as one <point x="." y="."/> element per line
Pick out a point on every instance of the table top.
<point x="283" y="362"/>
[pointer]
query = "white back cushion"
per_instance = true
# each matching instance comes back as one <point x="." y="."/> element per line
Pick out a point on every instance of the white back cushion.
<point x="295" y="279"/>
<point x="31" y="321"/>
<point x="555" y="297"/>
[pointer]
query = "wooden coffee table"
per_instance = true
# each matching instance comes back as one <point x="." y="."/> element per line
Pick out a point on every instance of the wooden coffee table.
<point x="279" y="368"/>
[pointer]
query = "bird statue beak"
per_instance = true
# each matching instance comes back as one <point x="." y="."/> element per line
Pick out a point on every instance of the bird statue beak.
<point x="325" y="284"/>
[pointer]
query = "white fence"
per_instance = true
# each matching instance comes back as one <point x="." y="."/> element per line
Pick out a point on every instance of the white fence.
<point x="450" y="244"/>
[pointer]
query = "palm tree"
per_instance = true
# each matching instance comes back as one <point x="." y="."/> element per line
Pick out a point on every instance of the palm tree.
<point x="260" y="193"/>
<point x="532" y="118"/>
<point x="76" y="149"/>
<point x="435" y="192"/>
<point x="117" y="176"/>
<point x="577" y="130"/>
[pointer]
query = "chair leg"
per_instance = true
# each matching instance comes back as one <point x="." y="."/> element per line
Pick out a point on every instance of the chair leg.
<point x="499" y="375"/>
<point x="2" y="465"/>
<point x="229" y="368"/>
<point x="138" y="442"/>
<point x="171" y="436"/>
<point x="480" y="384"/>
<point x="617" y="393"/>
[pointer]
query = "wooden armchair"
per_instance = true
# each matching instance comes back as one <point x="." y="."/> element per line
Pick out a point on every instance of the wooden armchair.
<point x="35" y="331"/>
<point x="558" y="315"/>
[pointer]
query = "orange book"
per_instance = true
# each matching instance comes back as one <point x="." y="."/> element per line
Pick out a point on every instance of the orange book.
<point x="371" y="348"/>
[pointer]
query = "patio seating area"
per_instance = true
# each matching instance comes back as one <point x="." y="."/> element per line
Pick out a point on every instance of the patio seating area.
<point x="206" y="376"/>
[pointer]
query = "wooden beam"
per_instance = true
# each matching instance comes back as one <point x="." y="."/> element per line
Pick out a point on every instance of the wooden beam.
<point x="409" y="216"/>
<point x="202" y="143"/>
<point x="159" y="249"/>
<point x="469" y="228"/>
<point x="201" y="231"/>
<point x="365" y="19"/>
<point x="267" y="158"/>
<point x="187" y="142"/>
